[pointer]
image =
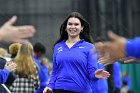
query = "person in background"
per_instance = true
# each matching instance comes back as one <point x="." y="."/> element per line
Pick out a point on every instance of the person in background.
<point x="117" y="77"/>
<point x="45" y="63"/>
<point x="13" y="49"/>
<point x="4" y="73"/>
<point x="74" y="58"/>
<point x="39" y="50"/>
<point x="27" y="79"/>
<point x="3" y="61"/>
<point x="3" y="52"/>
<point x="127" y="79"/>
<point x="124" y="88"/>
<point x="114" y="81"/>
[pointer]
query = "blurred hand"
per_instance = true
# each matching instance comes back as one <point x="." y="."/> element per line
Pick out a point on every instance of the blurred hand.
<point x="47" y="90"/>
<point x="10" y="33"/>
<point x="112" y="50"/>
<point x="10" y="66"/>
<point x="100" y="73"/>
<point x="128" y="59"/>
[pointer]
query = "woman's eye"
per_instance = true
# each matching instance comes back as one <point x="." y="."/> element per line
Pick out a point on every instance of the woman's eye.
<point x="69" y="23"/>
<point x="76" y="24"/>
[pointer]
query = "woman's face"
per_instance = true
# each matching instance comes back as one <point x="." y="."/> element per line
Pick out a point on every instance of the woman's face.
<point x="74" y="27"/>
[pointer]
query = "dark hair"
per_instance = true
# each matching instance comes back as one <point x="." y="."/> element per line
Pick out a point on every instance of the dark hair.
<point x="38" y="47"/>
<point x="124" y="83"/>
<point x="85" y="34"/>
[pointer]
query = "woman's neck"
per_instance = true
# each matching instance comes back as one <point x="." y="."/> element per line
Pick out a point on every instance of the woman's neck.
<point x="73" y="40"/>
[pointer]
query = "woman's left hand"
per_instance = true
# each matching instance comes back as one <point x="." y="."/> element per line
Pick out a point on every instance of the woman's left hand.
<point x="100" y="73"/>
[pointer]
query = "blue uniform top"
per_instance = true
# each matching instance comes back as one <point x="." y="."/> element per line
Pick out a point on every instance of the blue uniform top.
<point x="133" y="48"/>
<point x="73" y="68"/>
<point x="117" y="75"/>
<point x="101" y="85"/>
<point x="4" y="73"/>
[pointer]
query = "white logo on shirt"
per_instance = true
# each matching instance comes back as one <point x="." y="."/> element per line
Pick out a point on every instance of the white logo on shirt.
<point x="81" y="47"/>
<point x="59" y="49"/>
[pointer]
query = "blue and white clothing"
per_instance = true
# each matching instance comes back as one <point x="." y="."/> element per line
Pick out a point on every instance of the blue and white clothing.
<point x="73" y="68"/>
<point x="101" y="85"/>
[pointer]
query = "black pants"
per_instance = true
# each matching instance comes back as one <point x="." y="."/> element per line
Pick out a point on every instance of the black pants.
<point x="62" y="91"/>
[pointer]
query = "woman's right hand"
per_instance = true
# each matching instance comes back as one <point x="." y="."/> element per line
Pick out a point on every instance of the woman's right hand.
<point x="47" y="90"/>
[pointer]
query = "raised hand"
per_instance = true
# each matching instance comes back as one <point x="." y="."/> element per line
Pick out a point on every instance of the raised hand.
<point x="100" y="73"/>
<point x="112" y="50"/>
<point x="10" y="33"/>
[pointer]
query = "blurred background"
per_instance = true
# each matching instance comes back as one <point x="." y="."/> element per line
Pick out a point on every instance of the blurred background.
<point x="120" y="16"/>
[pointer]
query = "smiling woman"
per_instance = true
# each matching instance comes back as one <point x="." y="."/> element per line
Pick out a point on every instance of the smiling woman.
<point x="74" y="27"/>
<point x="74" y="62"/>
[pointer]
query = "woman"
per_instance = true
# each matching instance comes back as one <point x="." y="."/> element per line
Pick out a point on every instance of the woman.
<point x="27" y="74"/>
<point x="74" y="61"/>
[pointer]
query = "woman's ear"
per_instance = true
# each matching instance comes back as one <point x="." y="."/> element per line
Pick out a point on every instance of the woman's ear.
<point x="82" y="28"/>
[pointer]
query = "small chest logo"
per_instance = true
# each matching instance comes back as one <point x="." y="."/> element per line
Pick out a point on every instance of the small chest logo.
<point x="81" y="47"/>
<point x="59" y="49"/>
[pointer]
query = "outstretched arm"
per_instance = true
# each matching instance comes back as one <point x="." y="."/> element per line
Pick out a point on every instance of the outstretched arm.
<point x="112" y="50"/>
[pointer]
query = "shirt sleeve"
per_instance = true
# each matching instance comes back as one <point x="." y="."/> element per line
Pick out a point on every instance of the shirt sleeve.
<point x="133" y="48"/>
<point x="52" y="79"/>
<point x="92" y="63"/>
<point x="4" y="73"/>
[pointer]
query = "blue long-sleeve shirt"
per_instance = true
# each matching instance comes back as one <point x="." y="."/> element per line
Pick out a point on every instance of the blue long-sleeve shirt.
<point x="117" y="75"/>
<point x="133" y="48"/>
<point x="3" y="75"/>
<point x="101" y="85"/>
<point x="73" y="68"/>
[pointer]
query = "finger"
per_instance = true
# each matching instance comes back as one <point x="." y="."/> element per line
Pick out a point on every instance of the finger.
<point x="26" y="31"/>
<point x="104" y="78"/>
<point x="106" y="74"/>
<point x="100" y="70"/>
<point x="26" y="27"/>
<point x="99" y="46"/>
<point x="113" y="36"/>
<point x="103" y="61"/>
<point x="11" y="21"/>
<point x="130" y="60"/>
<point x="106" y="64"/>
